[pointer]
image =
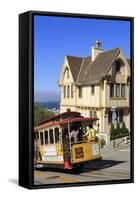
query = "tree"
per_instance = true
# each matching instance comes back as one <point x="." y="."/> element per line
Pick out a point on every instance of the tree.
<point x="41" y="114"/>
<point x="118" y="129"/>
<point x="124" y="130"/>
<point x="112" y="132"/>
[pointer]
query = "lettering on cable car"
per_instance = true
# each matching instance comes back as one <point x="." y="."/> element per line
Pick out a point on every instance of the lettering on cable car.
<point x="79" y="153"/>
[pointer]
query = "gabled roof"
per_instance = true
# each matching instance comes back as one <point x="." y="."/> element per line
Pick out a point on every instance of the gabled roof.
<point x="93" y="71"/>
<point x="74" y="64"/>
<point x="86" y="71"/>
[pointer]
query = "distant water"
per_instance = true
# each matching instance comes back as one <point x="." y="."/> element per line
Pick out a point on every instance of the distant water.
<point x="49" y="105"/>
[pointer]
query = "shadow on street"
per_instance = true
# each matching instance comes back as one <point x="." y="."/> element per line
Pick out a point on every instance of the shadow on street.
<point x="91" y="166"/>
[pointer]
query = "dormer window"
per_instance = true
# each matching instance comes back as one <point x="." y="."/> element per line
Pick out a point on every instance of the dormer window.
<point x="118" y="66"/>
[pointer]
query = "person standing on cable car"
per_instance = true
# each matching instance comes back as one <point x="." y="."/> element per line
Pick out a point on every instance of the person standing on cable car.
<point x="74" y="134"/>
<point x="90" y="134"/>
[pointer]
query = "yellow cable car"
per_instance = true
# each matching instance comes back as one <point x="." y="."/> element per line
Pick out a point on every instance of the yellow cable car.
<point x="59" y="142"/>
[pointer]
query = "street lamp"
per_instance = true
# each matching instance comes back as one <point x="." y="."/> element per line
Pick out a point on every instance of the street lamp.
<point x="113" y="109"/>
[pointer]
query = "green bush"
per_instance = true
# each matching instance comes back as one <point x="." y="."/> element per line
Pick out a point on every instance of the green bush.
<point x="112" y="132"/>
<point x="124" y="130"/>
<point x="118" y="132"/>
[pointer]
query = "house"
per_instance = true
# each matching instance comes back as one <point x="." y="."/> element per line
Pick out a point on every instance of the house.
<point x="93" y="85"/>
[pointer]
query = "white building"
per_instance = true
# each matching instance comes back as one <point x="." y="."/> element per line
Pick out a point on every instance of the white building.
<point x="92" y="85"/>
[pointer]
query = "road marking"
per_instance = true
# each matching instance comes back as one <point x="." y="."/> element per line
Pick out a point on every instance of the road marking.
<point x="123" y="150"/>
<point x="69" y="179"/>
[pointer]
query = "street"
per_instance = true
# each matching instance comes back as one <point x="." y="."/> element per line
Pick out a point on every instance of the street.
<point x="115" y="165"/>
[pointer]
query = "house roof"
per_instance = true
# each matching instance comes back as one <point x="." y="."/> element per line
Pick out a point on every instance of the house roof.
<point x="86" y="71"/>
<point x="75" y="64"/>
<point x="93" y="71"/>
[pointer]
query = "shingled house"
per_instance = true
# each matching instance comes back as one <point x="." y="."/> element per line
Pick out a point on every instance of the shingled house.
<point x="92" y="85"/>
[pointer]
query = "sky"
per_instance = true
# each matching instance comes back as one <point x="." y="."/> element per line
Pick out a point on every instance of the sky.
<point x="55" y="37"/>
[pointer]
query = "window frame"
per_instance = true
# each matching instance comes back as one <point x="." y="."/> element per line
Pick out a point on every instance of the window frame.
<point x="117" y="96"/>
<point x="124" y="90"/>
<point x="92" y="89"/>
<point x="64" y="91"/>
<point x="68" y="91"/>
<point x="72" y="92"/>
<point x="111" y="84"/>
<point x="80" y="91"/>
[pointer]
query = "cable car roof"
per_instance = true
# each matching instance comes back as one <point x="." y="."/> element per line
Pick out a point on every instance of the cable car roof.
<point x="60" y="116"/>
<point x="51" y="123"/>
<point x="77" y="119"/>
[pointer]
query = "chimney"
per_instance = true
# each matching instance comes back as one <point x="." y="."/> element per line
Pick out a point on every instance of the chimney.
<point x="96" y="50"/>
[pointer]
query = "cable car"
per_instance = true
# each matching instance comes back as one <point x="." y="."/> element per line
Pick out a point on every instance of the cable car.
<point x="55" y="147"/>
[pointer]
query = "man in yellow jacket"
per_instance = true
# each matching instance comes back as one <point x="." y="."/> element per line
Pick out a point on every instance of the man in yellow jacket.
<point x="91" y="133"/>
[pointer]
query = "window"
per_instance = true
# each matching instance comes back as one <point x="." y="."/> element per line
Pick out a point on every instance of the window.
<point x="117" y="90"/>
<point x="64" y="91"/>
<point x="51" y="139"/>
<point x="68" y="91"/>
<point x="91" y="115"/>
<point x="56" y="135"/>
<point x="41" y="138"/>
<point x="117" y="66"/>
<point x="122" y="90"/>
<point x="95" y="114"/>
<point x="46" y="137"/>
<point x="72" y="91"/>
<point x="92" y="89"/>
<point x="111" y="90"/>
<point x="68" y="110"/>
<point x="80" y="91"/>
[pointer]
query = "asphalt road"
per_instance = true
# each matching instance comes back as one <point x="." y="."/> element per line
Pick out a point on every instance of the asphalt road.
<point x="114" y="166"/>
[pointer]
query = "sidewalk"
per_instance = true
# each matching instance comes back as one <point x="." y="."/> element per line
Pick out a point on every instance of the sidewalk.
<point x="119" y="145"/>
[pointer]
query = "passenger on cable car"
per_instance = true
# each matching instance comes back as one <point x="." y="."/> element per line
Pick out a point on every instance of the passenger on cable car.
<point x="37" y="149"/>
<point x="74" y="134"/>
<point x="90" y="134"/>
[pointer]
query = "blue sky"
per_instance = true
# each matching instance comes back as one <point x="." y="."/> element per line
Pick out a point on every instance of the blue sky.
<point x="55" y="37"/>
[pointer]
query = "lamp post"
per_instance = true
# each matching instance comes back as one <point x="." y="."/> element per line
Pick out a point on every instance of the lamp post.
<point x="113" y="109"/>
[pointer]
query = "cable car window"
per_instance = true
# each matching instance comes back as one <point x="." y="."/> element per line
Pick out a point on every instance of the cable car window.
<point x="41" y="138"/>
<point x="56" y="135"/>
<point x="51" y="136"/>
<point x="46" y="137"/>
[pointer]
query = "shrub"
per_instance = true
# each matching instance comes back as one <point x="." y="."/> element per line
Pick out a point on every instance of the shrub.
<point x="118" y="130"/>
<point x="112" y="132"/>
<point x="124" y="130"/>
